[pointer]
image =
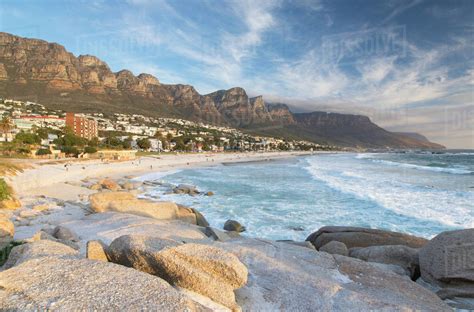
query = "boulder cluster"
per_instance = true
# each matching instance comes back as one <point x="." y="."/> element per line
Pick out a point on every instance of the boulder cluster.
<point x="137" y="254"/>
<point x="445" y="263"/>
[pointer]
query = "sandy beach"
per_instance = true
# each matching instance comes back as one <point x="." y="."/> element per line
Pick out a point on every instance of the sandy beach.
<point x="58" y="181"/>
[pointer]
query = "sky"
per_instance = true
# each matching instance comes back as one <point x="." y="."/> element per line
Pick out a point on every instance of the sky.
<point x="407" y="64"/>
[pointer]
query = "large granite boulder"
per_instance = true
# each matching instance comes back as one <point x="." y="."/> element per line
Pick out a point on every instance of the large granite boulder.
<point x="362" y="237"/>
<point x="447" y="262"/>
<point x="138" y="251"/>
<point x="100" y="202"/>
<point x="7" y="231"/>
<point x="38" y="249"/>
<point x="52" y="283"/>
<point x="127" y="203"/>
<point x="203" y="269"/>
<point x="449" y="256"/>
<point x="403" y="256"/>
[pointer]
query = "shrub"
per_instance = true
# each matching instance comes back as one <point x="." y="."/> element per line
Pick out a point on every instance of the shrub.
<point x="23" y="150"/>
<point x="5" y="252"/>
<point x="4" y="190"/>
<point x="90" y="150"/>
<point x="43" y="151"/>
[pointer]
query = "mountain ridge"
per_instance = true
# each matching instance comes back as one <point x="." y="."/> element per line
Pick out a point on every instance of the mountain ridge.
<point x="46" y="72"/>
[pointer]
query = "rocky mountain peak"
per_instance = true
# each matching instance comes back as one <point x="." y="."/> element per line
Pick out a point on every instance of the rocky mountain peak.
<point x="148" y="79"/>
<point x="91" y="61"/>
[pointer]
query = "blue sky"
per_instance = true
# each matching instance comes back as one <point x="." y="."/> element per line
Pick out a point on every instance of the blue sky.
<point x="407" y="64"/>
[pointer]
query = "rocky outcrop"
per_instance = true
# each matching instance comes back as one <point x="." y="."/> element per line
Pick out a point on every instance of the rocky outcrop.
<point x="203" y="269"/>
<point x="403" y="256"/>
<point x="362" y="237"/>
<point x="186" y="189"/>
<point x="85" y="285"/>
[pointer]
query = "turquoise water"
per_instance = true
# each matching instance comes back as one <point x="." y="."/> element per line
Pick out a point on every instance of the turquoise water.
<point x="421" y="194"/>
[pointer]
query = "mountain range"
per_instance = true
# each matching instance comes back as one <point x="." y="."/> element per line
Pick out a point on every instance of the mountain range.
<point x="44" y="72"/>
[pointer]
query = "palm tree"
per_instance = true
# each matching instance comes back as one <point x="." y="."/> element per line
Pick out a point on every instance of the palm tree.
<point x="5" y="126"/>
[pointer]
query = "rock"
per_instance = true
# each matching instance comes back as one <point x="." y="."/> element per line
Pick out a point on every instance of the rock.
<point x="449" y="256"/>
<point x="146" y="208"/>
<point x="186" y="214"/>
<point x="291" y="278"/>
<point x="10" y="204"/>
<point x="403" y="256"/>
<point x="200" y="219"/>
<point x="301" y="244"/>
<point x="41" y="208"/>
<point x="85" y="285"/>
<point x="448" y="262"/>
<point x="232" y="225"/>
<point x="362" y="237"/>
<point x="186" y="189"/>
<point x="7" y="231"/>
<point x="63" y="233"/>
<point x="100" y="202"/>
<point x="216" y="234"/>
<point x="110" y="185"/>
<point x="138" y="251"/>
<point x="96" y="250"/>
<point x="38" y="249"/>
<point x="42" y="235"/>
<point x="206" y="270"/>
<point x="28" y="214"/>
<point x="131" y="185"/>
<point x="95" y="187"/>
<point x="127" y="203"/>
<point x="335" y="248"/>
<point x="382" y="281"/>
<point x="209" y="193"/>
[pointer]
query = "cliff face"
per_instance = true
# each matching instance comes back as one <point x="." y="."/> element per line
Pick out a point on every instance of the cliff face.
<point x="37" y="70"/>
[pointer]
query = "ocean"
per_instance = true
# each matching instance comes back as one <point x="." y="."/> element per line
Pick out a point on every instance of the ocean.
<point x="418" y="193"/>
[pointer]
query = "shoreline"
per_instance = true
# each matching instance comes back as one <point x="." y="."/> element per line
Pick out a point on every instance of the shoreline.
<point x="56" y="181"/>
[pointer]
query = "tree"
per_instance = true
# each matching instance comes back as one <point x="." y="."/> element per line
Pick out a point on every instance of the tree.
<point x="159" y="136"/>
<point x="144" y="144"/>
<point x="127" y="143"/>
<point x="5" y="126"/>
<point x="27" y="138"/>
